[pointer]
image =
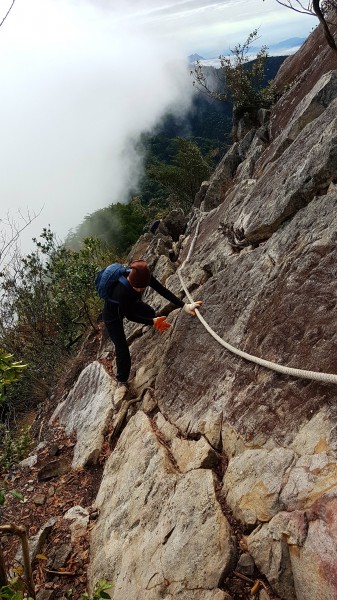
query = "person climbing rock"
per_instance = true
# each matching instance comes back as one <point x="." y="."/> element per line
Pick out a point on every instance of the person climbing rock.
<point x="125" y="300"/>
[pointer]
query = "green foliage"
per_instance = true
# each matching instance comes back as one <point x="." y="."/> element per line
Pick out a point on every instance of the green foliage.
<point x="175" y="168"/>
<point x="99" y="591"/>
<point x="183" y="177"/>
<point x="15" y="590"/>
<point x="10" y="371"/>
<point x="13" y="448"/>
<point x="117" y="226"/>
<point x="155" y="186"/>
<point x="4" y="491"/>
<point x="243" y="79"/>
<point x="46" y="306"/>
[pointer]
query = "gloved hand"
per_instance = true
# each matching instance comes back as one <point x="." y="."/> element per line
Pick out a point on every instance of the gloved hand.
<point x="161" y="324"/>
<point x="190" y="308"/>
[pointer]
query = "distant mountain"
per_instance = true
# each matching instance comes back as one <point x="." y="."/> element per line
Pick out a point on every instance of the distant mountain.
<point x="285" y="47"/>
<point x="290" y="43"/>
<point x="192" y="58"/>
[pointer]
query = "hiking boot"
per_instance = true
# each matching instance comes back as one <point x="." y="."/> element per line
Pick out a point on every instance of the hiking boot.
<point x="120" y="393"/>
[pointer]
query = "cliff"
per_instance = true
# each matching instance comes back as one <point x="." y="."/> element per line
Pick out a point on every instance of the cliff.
<point x="224" y="466"/>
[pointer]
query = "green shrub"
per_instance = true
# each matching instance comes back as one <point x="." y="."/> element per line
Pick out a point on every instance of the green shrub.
<point x="243" y="79"/>
<point x="47" y="305"/>
<point x="10" y="371"/>
<point x="14" y="590"/>
<point x="13" y="447"/>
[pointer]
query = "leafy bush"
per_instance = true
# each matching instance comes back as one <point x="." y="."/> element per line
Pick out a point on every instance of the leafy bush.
<point x="15" y="591"/>
<point x="99" y="591"/>
<point x="14" y="447"/>
<point x="11" y="592"/>
<point x="117" y="227"/>
<point x="243" y="79"/>
<point x="183" y="176"/>
<point x="10" y="371"/>
<point x="48" y="303"/>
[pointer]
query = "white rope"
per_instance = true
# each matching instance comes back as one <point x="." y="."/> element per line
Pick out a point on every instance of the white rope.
<point x="315" y="375"/>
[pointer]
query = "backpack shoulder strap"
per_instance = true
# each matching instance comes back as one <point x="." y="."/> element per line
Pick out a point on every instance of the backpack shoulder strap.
<point x="122" y="279"/>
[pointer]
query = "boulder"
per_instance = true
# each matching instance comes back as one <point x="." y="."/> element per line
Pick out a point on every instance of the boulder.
<point x="310" y="478"/>
<point x="79" y="519"/>
<point x="52" y="469"/>
<point x="36" y="542"/>
<point x="191" y="454"/>
<point x="253" y="482"/>
<point x="297" y="552"/>
<point x="86" y="411"/>
<point x="269" y="547"/>
<point x="157" y="527"/>
<point x="317" y="435"/>
<point x="30" y="461"/>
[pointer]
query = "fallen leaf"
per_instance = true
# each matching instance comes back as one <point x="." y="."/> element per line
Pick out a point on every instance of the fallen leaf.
<point x="255" y="587"/>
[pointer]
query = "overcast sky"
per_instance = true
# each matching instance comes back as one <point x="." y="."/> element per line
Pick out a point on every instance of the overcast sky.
<point x="81" y="79"/>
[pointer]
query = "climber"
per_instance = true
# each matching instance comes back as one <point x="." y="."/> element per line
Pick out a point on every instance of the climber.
<point x="124" y="300"/>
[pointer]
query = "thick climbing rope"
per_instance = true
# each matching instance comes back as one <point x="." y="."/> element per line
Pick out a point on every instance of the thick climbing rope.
<point x="315" y="375"/>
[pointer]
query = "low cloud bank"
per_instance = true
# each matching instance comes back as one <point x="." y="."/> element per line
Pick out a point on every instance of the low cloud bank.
<point x="80" y="83"/>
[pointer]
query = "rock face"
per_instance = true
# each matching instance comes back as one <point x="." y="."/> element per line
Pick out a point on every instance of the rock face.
<point x="86" y="412"/>
<point x="253" y="483"/>
<point x="171" y="523"/>
<point x="264" y="263"/>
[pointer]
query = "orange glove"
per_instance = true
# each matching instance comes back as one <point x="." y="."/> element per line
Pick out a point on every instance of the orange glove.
<point x="161" y="324"/>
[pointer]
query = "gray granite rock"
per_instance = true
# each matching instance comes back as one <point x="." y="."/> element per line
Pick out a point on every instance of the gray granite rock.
<point x="172" y="521"/>
<point x="87" y="411"/>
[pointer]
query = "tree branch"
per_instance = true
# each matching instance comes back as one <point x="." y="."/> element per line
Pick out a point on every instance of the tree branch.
<point x="7" y="13"/>
<point x="328" y="36"/>
<point x="314" y="8"/>
<point x="20" y="531"/>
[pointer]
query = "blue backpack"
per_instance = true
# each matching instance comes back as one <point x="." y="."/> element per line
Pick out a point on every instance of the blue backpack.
<point x="111" y="274"/>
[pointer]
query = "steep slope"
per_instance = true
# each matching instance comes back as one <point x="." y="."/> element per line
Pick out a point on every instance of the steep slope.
<point x="223" y="466"/>
<point x="264" y="263"/>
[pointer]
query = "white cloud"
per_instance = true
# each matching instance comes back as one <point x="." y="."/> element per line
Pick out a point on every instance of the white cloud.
<point x="81" y="79"/>
<point x="211" y="26"/>
<point x="76" y="92"/>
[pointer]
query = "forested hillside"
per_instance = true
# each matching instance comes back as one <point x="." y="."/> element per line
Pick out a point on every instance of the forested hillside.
<point x="206" y="127"/>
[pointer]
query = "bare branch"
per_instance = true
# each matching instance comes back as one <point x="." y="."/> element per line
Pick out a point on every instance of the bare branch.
<point x="328" y="36"/>
<point x="11" y="233"/>
<point x="3" y="574"/>
<point x="316" y="8"/>
<point x="7" y="13"/>
<point x="302" y="9"/>
<point x="20" y="531"/>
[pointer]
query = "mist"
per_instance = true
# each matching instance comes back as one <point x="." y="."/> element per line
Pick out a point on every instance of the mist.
<point x="80" y="83"/>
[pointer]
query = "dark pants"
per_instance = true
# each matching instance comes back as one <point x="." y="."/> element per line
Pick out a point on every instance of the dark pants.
<point x="113" y="319"/>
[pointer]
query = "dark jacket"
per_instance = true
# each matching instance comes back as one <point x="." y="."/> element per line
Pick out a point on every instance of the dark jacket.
<point x="129" y="302"/>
